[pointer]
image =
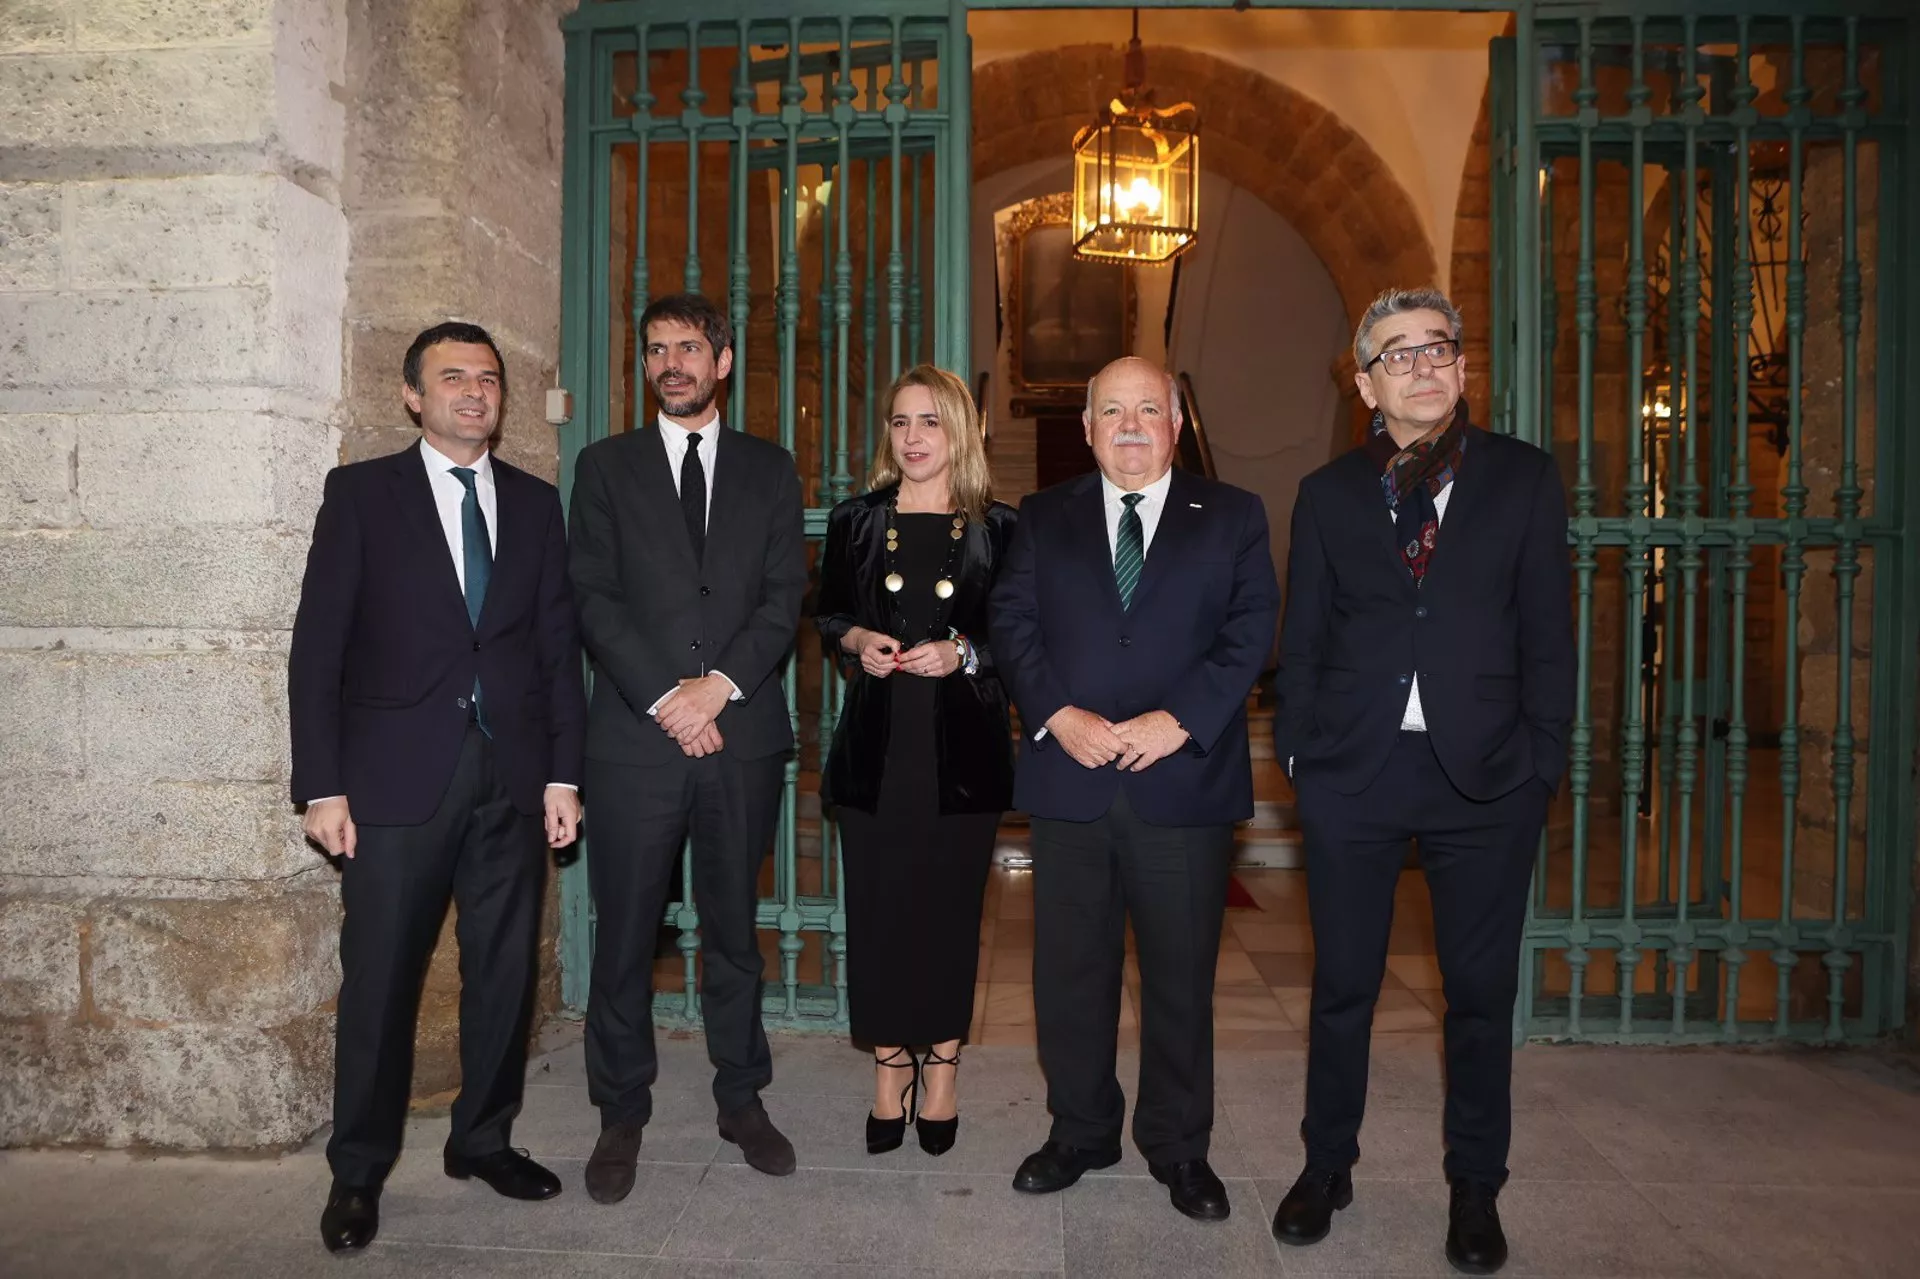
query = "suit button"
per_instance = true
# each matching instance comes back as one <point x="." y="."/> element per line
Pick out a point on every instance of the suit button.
<point x="1421" y="611"/>
<point x="1405" y="680"/>
<point x="695" y="644"/>
<point x="706" y="590"/>
<point x="1126" y="642"/>
<point x="461" y="702"/>
<point x="476" y="646"/>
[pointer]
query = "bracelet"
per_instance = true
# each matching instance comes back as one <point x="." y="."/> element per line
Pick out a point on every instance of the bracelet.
<point x="968" y="655"/>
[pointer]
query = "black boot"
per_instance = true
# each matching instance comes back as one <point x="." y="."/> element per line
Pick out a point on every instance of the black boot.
<point x="1475" y="1243"/>
<point x="1306" y="1214"/>
<point x="352" y="1217"/>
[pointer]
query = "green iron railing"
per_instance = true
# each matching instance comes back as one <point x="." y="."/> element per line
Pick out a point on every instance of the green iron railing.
<point x="1717" y="148"/>
<point x="1724" y="818"/>
<point x="832" y="139"/>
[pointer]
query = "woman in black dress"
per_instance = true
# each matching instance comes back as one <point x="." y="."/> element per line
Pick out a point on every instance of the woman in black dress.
<point x="921" y="764"/>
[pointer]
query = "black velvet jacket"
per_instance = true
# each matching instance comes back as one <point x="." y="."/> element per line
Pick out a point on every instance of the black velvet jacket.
<point x="974" y="743"/>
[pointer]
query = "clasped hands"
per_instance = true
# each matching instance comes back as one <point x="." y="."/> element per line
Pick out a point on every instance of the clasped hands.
<point x="1135" y="744"/>
<point x="880" y="655"/>
<point x="687" y="714"/>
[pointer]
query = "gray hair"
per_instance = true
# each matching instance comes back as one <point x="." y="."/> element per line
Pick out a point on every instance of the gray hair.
<point x="1399" y="302"/>
<point x="1174" y="406"/>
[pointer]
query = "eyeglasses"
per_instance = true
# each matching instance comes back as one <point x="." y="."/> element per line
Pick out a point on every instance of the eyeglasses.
<point x="1398" y="361"/>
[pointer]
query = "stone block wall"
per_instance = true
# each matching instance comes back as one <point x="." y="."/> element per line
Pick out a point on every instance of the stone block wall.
<point x="452" y="191"/>
<point x="172" y="273"/>
<point x="221" y="221"/>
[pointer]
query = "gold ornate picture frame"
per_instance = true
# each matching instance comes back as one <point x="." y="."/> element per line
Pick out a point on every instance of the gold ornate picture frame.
<point x="1067" y="318"/>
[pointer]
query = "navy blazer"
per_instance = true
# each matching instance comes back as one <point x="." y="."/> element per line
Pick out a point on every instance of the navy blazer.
<point x="1490" y="629"/>
<point x="1192" y="644"/>
<point x="384" y="656"/>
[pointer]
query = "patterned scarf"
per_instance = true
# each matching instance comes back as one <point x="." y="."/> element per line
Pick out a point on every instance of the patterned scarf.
<point x="1412" y="477"/>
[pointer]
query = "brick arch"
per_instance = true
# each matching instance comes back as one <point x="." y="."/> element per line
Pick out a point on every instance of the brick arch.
<point x="1262" y="136"/>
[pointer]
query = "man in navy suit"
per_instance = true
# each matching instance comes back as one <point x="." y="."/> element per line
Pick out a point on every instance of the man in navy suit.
<point x="1425" y="692"/>
<point x="438" y="724"/>
<point x="1133" y="615"/>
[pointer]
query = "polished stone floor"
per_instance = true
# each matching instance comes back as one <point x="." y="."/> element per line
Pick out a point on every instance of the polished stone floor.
<point x="1625" y="1163"/>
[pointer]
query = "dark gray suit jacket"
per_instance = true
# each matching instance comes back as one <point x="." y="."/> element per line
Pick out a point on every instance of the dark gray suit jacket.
<point x="650" y="615"/>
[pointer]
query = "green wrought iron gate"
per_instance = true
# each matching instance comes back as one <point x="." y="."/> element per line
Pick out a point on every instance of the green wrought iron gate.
<point x="808" y="162"/>
<point x="1704" y="240"/>
<point x="1703" y="250"/>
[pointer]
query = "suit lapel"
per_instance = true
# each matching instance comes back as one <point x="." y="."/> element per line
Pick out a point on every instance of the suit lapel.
<point x="510" y="538"/>
<point x="730" y="488"/>
<point x="661" y="499"/>
<point x="1463" y="503"/>
<point x="1362" y="485"/>
<point x="413" y="495"/>
<point x="1179" y="520"/>
<point x="1088" y="523"/>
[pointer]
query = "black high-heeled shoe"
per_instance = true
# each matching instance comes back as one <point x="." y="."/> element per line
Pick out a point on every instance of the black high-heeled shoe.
<point x="938" y="1135"/>
<point x="889" y="1134"/>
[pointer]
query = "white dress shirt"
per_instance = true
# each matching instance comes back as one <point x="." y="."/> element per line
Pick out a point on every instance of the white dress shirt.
<point x="1153" y="502"/>
<point x="1414" y="718"/>
<point x="675" y="437"/>
<point x="449" y="495"/>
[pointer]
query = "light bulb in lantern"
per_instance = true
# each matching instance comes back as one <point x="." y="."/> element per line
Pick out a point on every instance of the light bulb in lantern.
<point x="1138" y="201"/>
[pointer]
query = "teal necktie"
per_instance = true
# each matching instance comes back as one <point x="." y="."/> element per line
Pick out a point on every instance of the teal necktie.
<point x="477" y="552"/>
<point x="1129" y="549"/>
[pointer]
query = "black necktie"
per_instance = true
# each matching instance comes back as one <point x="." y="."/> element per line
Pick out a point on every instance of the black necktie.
<point x="693" y="496"/>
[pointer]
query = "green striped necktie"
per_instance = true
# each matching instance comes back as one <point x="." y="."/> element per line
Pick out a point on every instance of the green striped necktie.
<point x="1129" y="550"/>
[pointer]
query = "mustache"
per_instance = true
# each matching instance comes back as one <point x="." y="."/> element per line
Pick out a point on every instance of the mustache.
<point x="1132" y="437"/>
<point x="688" y="390"/>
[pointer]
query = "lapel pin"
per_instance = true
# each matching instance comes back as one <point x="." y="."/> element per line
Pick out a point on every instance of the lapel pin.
<point x="1194" y="505"/>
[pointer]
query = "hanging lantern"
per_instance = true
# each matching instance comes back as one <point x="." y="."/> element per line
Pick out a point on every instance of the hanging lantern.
<point x="1136" y="175"/>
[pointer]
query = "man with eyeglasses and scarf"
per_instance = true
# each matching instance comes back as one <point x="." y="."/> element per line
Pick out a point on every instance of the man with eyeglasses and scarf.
<point x="1426" y="688"/>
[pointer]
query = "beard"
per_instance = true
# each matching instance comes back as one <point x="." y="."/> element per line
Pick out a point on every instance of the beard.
<point x="685" y="401"/>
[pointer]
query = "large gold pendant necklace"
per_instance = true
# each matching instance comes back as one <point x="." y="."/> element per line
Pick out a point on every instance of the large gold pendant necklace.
<point x="943" y="586"/>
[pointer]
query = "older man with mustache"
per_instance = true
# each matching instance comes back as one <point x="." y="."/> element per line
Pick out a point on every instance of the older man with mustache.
<point x="1133" y="615"/>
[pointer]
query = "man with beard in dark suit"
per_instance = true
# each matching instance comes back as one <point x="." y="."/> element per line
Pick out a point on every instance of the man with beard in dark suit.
<point x="689" y="564"/>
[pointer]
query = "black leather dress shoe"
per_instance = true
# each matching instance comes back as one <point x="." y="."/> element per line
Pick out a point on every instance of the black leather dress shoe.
<point x="610" y="1169"/>
<point x="1306" y="1214"/>
<point x="352" y="1217"/>
<point x="509" y="1172"/>
<point x="1055" y="1167"/>
<point x="762" y="1145"/>
<point x="1193" y="1188"/>
<point x="1475" y="1243"/>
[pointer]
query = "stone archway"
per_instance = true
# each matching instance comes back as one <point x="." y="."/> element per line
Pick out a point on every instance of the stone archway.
<point x="1280" y="145"/>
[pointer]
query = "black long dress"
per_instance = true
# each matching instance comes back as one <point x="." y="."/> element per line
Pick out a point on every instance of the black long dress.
<point x="914" y="878"/>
